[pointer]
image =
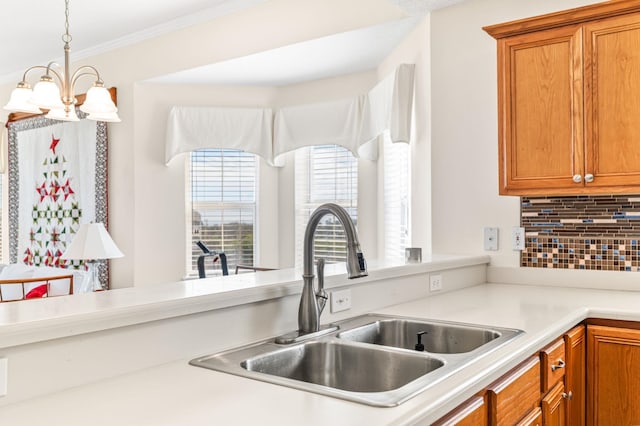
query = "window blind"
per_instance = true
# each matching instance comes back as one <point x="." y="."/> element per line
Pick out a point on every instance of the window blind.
<point x="223" y="205"/>
<point x="396" y="198"/>
<point x="325" y="173"/>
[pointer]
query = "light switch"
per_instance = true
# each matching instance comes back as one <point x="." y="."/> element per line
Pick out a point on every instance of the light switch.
<point x="517" y="238"/>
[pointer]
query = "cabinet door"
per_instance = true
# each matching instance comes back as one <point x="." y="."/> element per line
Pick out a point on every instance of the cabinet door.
<point x="575" y="350"/>
<point x="540" y="110"/>
<point x="612" y="103"/>
<point x="613" y="366"/>
<point x="553" y="407"/>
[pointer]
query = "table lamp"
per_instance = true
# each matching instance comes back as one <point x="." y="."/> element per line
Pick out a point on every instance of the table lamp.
<point x="91" y="243"/>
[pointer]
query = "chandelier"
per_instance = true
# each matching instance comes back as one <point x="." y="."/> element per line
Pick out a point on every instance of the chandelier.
<point x="55" y="90"/>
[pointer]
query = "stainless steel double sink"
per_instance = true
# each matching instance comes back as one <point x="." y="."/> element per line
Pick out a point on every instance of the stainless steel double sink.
<point x="371" y="359"/>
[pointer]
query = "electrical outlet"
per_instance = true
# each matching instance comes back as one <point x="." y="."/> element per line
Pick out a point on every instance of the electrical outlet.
<point x="491" y="239"/>
<point x="517" y="238"/>
<point x="4" y="367"/>
<point x="340" y="300"/>
<point x="435" y="282"/>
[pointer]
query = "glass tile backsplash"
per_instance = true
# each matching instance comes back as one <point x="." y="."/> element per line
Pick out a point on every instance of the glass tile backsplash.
<point x="582" y="232"/>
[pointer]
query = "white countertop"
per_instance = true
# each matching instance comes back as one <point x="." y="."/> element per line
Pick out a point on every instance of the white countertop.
<point x="179" y="394"/>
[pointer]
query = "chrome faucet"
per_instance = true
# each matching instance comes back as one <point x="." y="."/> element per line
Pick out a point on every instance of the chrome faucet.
<point x="312" y="303"/>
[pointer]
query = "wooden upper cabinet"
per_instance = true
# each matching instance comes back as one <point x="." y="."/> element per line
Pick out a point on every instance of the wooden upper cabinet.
<point x="540" y="114"/>
<point x="612" y="101"/>
<point x="569" y="101"/>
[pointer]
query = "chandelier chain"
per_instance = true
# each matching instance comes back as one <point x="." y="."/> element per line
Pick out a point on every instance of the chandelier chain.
<point x="66" y="37"/>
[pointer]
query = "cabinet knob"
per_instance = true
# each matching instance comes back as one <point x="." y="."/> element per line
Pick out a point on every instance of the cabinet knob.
<point x="588" y="178"/>
<point x="558" y="366"/>
<point x="577" y="178"/>
<point x="567" y="396"/>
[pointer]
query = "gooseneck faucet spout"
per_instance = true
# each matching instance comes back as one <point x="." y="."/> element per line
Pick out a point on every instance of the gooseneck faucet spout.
<point x="312" y="303"/>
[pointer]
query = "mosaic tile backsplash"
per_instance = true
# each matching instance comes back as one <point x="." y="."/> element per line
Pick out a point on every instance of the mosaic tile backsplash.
<point x="582" y="232"/>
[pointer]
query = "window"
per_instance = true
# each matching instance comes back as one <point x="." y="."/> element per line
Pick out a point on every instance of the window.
<point x="396" y="198"/>
<point x="325" y="173"/>
<point x="223" y="205"/>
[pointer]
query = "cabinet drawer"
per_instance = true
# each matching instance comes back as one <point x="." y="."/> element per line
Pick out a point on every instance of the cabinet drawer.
<point x="553" y="364"/>
<point x="471" y="413"/>
<point x="514" y="396"/>
<point x="534" y="418"/>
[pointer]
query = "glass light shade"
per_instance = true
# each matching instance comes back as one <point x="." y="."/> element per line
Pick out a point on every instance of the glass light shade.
<point x="46" y="95"/>
<point x="98" y="101"/>
<point x="110" y="117"/>
<point x="92" y="242"/>
<point x="19" y="101"/>
<point x="62" y="115"/>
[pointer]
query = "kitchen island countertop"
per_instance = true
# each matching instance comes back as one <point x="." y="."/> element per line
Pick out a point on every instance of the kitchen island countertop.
<point x="178" y="394"/>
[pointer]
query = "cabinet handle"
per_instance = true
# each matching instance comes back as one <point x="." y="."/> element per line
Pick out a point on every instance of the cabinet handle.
<point x="567" y="396"/>
<point x="577" y="178"/>
<point x="588" y="178"/>
<point x="557" y="366"/>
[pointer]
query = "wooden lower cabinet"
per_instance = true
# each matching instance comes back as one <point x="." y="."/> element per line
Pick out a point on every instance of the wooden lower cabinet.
<point x="597" y="385"/>
<point x="554" y="407"/>
<point x="575" y="342"/>
<point x="534" y="418"/>
<point x="471" y="413"/>
<point x="514" y="396"/>
<point x="613" y="385"/>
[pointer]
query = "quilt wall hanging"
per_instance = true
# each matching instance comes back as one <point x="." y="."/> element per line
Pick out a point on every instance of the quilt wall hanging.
<point x="57" y="180"/>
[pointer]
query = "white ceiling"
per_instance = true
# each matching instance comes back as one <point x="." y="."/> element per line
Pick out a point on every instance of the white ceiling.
<point x="31" y="30"/>
<point x="338" y="54"/>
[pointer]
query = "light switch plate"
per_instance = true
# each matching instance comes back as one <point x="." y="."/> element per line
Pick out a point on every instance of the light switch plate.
<point x="517" y="238"/>
<point x="491" y="239"/>
<point x="340" y="300"/>
<point x="4" y="372"/>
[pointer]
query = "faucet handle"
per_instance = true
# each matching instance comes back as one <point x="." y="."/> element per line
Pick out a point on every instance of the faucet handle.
<point x="321" y="295"/>
<point x="320" y="272"/>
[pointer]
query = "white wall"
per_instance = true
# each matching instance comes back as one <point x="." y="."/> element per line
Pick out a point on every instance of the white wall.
<point x="141" y="229"/>
<point x="464" y="125"/>
<point x="454" y="157"/>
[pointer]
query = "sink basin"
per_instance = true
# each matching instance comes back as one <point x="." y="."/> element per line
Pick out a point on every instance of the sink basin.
<point x="369" y="359"/>
<point x="342" y="366"/>
<point x="439" y="337"/>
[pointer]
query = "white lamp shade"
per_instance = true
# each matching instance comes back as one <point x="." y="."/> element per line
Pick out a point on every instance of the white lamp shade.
<point x="98" y="101"/>
<point x="110" y="117"/>
<point x="46" y="95"/>
<point x="19" y="101"/>
<point x="62" y="115"/>
<point x="92" y="242"/>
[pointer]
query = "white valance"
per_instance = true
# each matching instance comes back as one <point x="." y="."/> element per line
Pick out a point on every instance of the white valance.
<point x="352" y="123"/>
<point x="192" y="128"/>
